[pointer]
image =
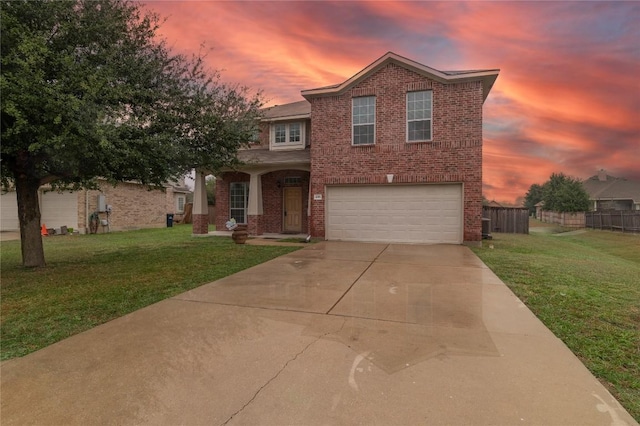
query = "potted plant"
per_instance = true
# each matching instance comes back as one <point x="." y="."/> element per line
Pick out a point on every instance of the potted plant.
<point x="239" y="234"/>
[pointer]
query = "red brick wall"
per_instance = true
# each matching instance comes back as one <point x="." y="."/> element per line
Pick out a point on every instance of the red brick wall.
<point x="200" y="224"/>
<point x="454" y="155"/>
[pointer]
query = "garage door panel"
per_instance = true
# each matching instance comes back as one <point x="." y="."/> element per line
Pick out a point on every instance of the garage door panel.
<point x="9" y="212"/>
<point x="59" y="209"/>
<point x="397" y="213"/>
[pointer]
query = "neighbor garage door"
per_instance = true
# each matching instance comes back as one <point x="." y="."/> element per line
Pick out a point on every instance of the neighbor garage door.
<point x="9" y="212"/>
<point x="395" y="213"/>
<point x="59" y="209"/>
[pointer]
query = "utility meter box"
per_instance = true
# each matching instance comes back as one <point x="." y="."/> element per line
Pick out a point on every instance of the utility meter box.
<point x="102" y="205"/>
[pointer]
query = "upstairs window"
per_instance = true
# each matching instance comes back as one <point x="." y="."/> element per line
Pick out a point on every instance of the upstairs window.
<point x="287" y="135"/>
<point x="294" y="133"/>
<point x="363" y="116"/>
<point x="281" y="133"/>
<point x="255" y="136"/>
<point x="419" y="116"/>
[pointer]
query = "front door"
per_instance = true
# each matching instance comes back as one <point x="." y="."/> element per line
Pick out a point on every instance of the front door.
<point x="292" y="209"/>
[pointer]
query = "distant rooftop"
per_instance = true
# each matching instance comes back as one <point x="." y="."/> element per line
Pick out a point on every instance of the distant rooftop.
<point x="300" y="109"/>
<point x="605" y="187"/>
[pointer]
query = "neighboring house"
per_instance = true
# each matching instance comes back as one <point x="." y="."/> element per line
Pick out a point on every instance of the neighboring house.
<point x="611" y="193"/>
<point x="133" y="206"/>
<point x="538" y="207"/>
<point x="392" y="154"/>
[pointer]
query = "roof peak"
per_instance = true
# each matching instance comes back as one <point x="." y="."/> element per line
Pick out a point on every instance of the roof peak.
<point x="487" y="77"/>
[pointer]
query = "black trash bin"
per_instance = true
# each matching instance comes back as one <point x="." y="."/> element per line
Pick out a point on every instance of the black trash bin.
<point x="486" y="229"/>
<point x="169" y="220"/>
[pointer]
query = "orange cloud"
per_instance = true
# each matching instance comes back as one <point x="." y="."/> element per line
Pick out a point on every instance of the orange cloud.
<point x="567" y="98"/>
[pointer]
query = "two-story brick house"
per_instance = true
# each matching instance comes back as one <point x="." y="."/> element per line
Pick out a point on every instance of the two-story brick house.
<point x="392" y="154"/>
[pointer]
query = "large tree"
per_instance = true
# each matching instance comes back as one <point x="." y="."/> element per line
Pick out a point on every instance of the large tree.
<point x="562" y="193"/>
<point x="89" y="91"/>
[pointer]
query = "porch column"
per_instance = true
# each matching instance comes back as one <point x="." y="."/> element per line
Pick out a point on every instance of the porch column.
<point x="255" y="208"/>
<point x="255" y="195"/>
<point x="200" y="212"/>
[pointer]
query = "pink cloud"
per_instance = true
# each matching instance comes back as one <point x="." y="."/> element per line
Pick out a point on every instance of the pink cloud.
<point x="567" y="98"/>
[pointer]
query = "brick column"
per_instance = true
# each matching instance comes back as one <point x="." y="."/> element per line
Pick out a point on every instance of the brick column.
<point x="200" y="209"/>
<point x="200" y="224"/>
<point x="254" y="225"/>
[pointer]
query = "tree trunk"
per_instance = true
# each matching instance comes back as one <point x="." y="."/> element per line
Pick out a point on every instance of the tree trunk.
<point x="29" y="216"/>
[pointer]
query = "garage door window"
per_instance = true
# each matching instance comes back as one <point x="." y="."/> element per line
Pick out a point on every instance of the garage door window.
<point x="238" y="201"/>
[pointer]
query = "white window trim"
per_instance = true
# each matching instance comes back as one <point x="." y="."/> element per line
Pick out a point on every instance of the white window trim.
<point x="246" y="201"/>
<point x="273" y="146"/>
<point x="375" y="114"/>
<point x="407" y="118"/>
<point x="184" y="202"/>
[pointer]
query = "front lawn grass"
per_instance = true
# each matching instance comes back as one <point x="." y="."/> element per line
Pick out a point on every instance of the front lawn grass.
<point x="586" y="289"/>
<point x="91" y="279"/>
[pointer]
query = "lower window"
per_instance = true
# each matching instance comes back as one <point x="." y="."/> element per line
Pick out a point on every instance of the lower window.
<point x="238" y="201"/>
<point x="180" y="205"/>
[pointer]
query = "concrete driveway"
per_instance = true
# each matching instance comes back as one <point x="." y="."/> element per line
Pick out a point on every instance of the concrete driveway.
<point x="336" y="333"/>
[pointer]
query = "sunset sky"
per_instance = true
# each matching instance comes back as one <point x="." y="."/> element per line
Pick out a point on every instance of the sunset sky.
<point x="567" y="98"/>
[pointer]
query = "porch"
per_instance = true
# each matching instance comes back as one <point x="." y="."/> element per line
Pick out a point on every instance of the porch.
<point x="269" y="193"/>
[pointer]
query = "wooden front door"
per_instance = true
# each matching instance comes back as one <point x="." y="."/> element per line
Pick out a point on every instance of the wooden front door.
<point x="292" y="209"/>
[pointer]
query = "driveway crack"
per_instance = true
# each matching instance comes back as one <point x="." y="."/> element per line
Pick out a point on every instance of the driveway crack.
<point x="356" y="280"/>
<point x="255" y="395"/>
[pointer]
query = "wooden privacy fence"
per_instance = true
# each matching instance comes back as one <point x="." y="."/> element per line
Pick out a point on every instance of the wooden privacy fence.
<point x="511" y="220"/>
<point x="574" y="220"/>
<point x="616" y="220"/>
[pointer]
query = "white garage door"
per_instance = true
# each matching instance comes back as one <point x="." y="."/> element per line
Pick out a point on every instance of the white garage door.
<point x="59" y="209"/>
<point x="395" y="213"/>
<point x="9" y="212"/>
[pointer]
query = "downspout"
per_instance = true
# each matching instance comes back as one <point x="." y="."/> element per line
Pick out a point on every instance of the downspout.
<point x="310" y="197"/>
<point x="309" y="201"/>
<point x="86" y="211"/>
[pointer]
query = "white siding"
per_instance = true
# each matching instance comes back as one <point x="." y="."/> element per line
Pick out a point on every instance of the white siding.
<point x="9" y="212"/>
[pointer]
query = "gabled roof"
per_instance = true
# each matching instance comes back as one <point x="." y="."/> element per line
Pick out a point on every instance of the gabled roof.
<point x="611" y="188"/>
<point x="488" y="77"/>
<point x="294" y="110"/>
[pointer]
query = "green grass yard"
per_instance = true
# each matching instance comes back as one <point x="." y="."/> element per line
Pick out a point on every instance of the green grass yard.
<point x="91" y="279"/>
<point x="585" y="287"/>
